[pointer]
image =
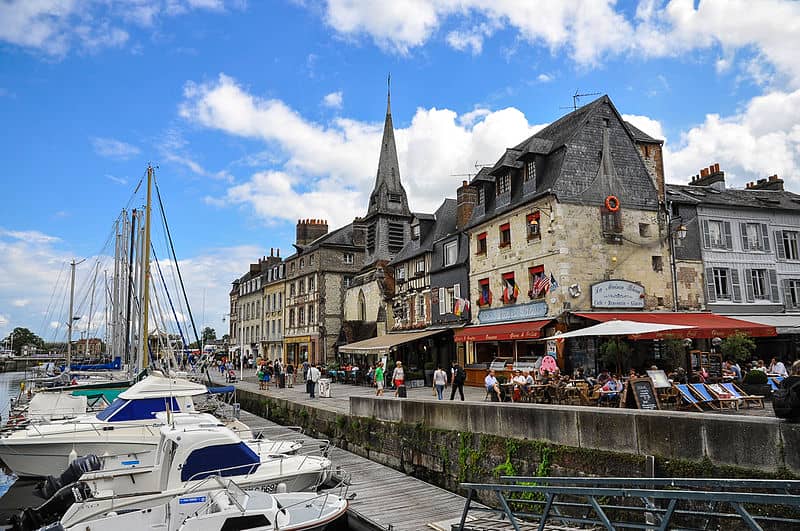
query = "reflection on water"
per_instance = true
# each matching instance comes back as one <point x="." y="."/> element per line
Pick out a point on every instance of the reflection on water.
<point x="9" y="388"/>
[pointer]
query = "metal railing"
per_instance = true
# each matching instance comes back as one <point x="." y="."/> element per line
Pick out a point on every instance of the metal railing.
<point x="639" y="503"/>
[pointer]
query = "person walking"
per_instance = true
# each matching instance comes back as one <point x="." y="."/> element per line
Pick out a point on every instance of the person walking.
<point x="439" y="381"/>
<point x="289" y="374"/>
<point x="457" y="379"/>
<point x="398" y="377"/>
<point x="379" y="379"/>
<point x="313" y="377"/>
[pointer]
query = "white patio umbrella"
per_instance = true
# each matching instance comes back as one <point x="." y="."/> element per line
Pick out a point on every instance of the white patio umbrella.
<point x="617" y="327"/>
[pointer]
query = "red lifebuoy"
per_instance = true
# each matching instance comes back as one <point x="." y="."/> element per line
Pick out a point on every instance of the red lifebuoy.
<point x="612" y="203"/>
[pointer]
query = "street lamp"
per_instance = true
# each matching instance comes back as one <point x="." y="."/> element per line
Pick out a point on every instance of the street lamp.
<point x="687" y="344"/>
<point x="676" y="230"/>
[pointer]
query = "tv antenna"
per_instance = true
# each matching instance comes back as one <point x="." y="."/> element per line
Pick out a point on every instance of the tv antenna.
<point x="576" y="97"/>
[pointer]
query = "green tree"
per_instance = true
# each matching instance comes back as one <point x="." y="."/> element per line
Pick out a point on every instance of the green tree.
<point x="21" y="337"/>
<point x="738" y="346"/>
<point x="674" y="352"/>
<point x="209" y="334"/>
<point x="613" y="352"/>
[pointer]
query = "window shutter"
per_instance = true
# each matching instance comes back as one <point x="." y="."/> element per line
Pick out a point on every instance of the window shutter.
<point x="787" y="294"/>
<point x="728" y="238"/>
<point x="773" y="285"/>
<point x="779" y="250"/>
<point x="765" y="236"/>
<point x="748" y="285"/>
<point x="706" y="235"/>
<point x="745" y="242"/>
<point x="736" y="288"/>
<point x="457" y="291"/>
<point x="442" y="301"/>
<point x="711" y="293"/>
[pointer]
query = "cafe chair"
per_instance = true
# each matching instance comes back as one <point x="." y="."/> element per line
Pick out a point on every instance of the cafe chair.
<point x="690" y="399"/>
<point x="735" y="391"/>
<point x="715" y="402"/>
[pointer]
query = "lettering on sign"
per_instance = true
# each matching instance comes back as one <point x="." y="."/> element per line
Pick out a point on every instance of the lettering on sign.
<point x="617" y="294"/>
<point x="640" y="393"/>
<point x="517" y="312"/>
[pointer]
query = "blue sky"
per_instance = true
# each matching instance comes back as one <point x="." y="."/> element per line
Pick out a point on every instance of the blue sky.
<point x="258" y="113"/>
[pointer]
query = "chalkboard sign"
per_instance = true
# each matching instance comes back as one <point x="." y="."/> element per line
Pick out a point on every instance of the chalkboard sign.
<point x="695" y="359"/>
<point x="643" y="393"/>
<point x="715" y="365"/>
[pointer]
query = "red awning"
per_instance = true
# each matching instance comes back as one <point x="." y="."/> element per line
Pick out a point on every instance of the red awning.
<point x="502" y="332"/>
<point x="706" y="324"/>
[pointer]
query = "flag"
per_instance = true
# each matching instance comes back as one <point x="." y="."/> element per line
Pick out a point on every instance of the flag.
<point x="457" y="308"/>
<point x="505" y="291"/>
<point x="553" y="283"/>
<point x="465" y="307"/>
<point x="516" y="291"/>
<point x="542" y="284"/>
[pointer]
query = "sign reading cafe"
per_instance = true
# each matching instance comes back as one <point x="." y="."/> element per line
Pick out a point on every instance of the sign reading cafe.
<point x="617" y="294"/>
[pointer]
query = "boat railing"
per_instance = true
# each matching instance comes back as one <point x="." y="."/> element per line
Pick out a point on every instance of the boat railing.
<point x="99" y="428"/>
<point x="236" y="495"/>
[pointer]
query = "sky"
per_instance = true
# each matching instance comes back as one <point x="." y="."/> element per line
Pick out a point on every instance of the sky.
<point x="259" y="113"/>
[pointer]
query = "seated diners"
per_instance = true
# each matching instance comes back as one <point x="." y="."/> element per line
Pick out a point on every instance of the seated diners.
<point x="777" y="368"/>
<point x="492" y="385"/>
<point x="732" y="369"/>
<point x="603" y="377"/>
<point x="611" y="390"/>
<point x="519" y="385"/>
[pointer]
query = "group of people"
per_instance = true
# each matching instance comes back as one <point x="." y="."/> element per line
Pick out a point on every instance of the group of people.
<point x="271" y="371"/>
<point x="379" y="378"/>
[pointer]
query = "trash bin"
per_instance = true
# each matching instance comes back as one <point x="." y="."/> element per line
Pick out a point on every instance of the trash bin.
<point x="401" y="391"/>
<point x="282" y="380"/>
<point x="324" y="388"/>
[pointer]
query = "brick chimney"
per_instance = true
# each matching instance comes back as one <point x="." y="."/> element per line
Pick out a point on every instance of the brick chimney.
<point x="466" y="199"/>
<point x="359" y="232"/>
<point x="771" y="183"/>
<point x="309" y="230"/>
<point x="711" y="176"/>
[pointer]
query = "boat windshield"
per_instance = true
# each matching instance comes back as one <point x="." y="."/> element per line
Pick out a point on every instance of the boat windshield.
<point x="122" y="410"/>
<point x="224" y="460"/>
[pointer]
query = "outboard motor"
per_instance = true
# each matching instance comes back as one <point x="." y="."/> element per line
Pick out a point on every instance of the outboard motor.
<point x="49" y="513"/>
<point x="87" y="463"/>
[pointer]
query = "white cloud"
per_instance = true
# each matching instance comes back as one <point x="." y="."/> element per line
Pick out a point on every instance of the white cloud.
<point x="3" y="320"/>
<point x="31" y="236"/>
<point x="53" y="27"/>
<point x="113" y="148"/>
<point x="115" y="179"/>
<point x="333" y="100"/>
<point x="646" y="124"/>
<point x="20" y="303"/>
<point x="589" y="31"/>
<point x="544" y="78"/>
<point x="334" y="184"/>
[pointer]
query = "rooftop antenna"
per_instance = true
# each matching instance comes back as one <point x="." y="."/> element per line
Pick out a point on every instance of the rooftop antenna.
<point x="576" y="97"/>
<point x="480" y="165"/>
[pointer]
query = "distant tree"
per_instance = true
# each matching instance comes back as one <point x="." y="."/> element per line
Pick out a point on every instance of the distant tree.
<point x="209" y="334"/>
<point x="738" y="346"/>
<point x="613" y="352"/>
<point x="22" y="337"/>
<point x="226" y="338"/>
<point x="55" y="346"/>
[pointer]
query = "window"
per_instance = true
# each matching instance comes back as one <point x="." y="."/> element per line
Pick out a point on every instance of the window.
<point x="419" y="267"/>
<point x="721" y="284"/>
<point x="611" y="221"/>
<point x="362" y="306"/>
<point x="311" y="284"/>
<point x="370" y="237"/>
<point x="658" y="263"/>
<point x="754" y="236"/>
<point x="280" y="300"/>
<point x="347" y="258"/>
<point x="268" y="304"/>
<point x="532" y="222"/>
<point x="291" y="317"/>
<point x="481" y="195"/>
<point x="280" y="328"/>
<point x="302" y="263"/>
<point x="291" y="267"/>
<point x="485" y="294"/>
<point x="717" y="234"/>
<point x="530" y="170"/>
<point x="311" y="259"/>
<point x="448" y="298"/>
<point x="301" y="316"/>
<point x="273" y="328"/>
<point x="505" y="235"/>
<point x="310" y="315"/>
<point x="400" y="273"/>
<point x="450" y="253"/>
<point x="348" y="281"/>
<point x="644" y="230"/>
<point x="786" y="244"/>
<point x="420" y="307"/>
<point x="510" y="288"/>
<point x="291" y="289"/>
<point x="415" y="231"/>
<point x="481" y="243"/>
<point x="395" y="198"/>
<point x="758" y="283"/>
<point x="536" y="280"/>
<point x="396" y="236"/>
<point x="791" y="291"/>
<point x="503" y="183"/>
<point x="301" y="286"/>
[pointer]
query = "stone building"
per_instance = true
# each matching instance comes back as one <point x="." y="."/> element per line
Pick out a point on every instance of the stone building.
<point x="317" y="276"/>
<point x="274" y="285"/>
<point x="568" y="220"/>
<point x="246" y="302"/>
<point x="740" y="256"/>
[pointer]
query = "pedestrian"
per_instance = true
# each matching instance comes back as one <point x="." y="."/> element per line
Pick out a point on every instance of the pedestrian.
<point x="457" y="378"/>
<point x="305" y="370"/>
<point x="379" y="379"/>
<point x="313" y="377"/>
<point x="289" y="374"/>
<point x="398" y="377"/>
<point x="439" y="381"/>
<point x="260" y="375"/>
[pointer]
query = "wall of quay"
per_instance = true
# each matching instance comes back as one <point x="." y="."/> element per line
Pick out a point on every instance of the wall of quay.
<point x="445" y="443"/>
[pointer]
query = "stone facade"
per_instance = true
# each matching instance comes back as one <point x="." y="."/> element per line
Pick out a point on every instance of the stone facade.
<point x="273" y="302"/>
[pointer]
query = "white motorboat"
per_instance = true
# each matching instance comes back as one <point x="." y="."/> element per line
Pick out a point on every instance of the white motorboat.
<point x="227" y="506"/>
<point x="125" y="431"/>
<point x="187" y="455"/>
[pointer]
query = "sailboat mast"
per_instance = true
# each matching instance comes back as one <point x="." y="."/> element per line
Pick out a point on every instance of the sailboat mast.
<point x="91" y="311"/>
<point x="146" y="276"/>
<point x="69" y="323"/>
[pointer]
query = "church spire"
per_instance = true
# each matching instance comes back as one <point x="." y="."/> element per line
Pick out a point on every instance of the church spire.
<point x="389" y="94"/>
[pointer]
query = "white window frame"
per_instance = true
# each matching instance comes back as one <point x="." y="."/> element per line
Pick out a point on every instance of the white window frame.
<point x="722" y="274"/>
<point x="400" y="272"/>
<point x="759" y="281"/>
<point x="791" y="244"/>
<point x="720" y="243"/>
<point x="348" y="258"/>
<point x="449" y="248"/>
<point x="419" y="266"/>
<point x="419" y="307"/>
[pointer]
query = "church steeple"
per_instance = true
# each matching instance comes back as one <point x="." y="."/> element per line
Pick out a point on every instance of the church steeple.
<point x="388" y="196"/>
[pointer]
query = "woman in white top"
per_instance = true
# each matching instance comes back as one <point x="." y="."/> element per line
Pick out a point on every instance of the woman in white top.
<point x="398" y="377"/>
<point x="439" y="381"/>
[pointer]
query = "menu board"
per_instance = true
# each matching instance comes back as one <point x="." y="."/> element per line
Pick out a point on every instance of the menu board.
<point x="643" y="393"/>
<point x="714" y="365"/>
<point x="695" y="359"/>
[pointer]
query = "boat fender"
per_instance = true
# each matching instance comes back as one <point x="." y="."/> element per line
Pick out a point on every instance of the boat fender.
<point x="280" y="488"/>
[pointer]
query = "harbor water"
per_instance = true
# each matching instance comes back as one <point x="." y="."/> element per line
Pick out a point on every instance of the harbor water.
<point x="9" y="388"/>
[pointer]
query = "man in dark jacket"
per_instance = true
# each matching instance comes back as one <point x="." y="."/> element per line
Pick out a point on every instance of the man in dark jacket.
<point x="457" y="378"/>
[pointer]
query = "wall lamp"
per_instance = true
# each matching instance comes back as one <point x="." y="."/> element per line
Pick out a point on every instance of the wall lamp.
<point x="549" y="210"/>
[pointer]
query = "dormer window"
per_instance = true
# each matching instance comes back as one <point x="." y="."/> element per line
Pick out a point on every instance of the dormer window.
<point x="530" y="170"/>
<point x="481" y="195"/>
<point x="503" y="183"/>
<point x="415" y="231"/>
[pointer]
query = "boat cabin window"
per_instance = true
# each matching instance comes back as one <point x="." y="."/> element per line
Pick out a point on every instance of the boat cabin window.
<point x="240" y="523"/>
<point x="223" y="460"/>
<point x="122" y="410"/>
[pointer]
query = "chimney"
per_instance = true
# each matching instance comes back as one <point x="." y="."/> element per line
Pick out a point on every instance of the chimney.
<point x="309" y="230"/>
<point x="770" y="183"/>
<point x="359" y="232"/>
<point x="466" y="199"/>
<point x="711" y="176"/>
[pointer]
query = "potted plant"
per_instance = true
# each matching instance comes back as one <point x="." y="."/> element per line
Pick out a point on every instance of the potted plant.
<point x="755" y="383"/>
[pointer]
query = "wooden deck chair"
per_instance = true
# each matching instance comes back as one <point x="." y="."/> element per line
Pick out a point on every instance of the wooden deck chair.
<point x="734" y="390"/>
<point x="724" y="396"/>
<point x="715" y="402"/>
<point x="690" y="400"/>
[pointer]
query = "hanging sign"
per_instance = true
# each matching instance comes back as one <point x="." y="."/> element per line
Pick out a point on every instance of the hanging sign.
<point x="617" y="294"/>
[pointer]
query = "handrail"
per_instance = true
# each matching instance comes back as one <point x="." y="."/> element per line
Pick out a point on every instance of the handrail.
<point x="783" y="484"/>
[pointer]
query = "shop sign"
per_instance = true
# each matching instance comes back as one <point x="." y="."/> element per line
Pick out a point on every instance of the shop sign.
<point x="516" y="312"/>
<point x="617" y="294"/>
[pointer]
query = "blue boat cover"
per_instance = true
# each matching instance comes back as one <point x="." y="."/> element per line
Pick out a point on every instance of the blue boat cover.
<point x="220" y="390"/>
<point x="113" y="366"/>
<point x="122" y="410"/>
<point x="223" y="460"/>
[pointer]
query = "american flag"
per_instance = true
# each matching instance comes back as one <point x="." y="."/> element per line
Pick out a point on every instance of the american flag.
<point x="541" y="284"/>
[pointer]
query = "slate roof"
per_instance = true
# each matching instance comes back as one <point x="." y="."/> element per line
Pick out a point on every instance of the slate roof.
<point x="510" y="159"/>
<point x="341" y="237"/>
<point x="641" y="136"/>
<point x="730" y="197"/>
<point x="444" y="225"/>
<point x="483" y="175"/>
